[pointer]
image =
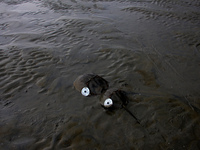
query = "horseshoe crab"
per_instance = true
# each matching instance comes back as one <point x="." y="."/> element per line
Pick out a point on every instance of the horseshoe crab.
<point x="116" y="99"/>
<point x="90" y="84"/>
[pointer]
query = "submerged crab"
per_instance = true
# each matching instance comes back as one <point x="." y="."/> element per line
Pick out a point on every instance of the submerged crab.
<point x="114" y="98"/>
<point x="90" y="84"/>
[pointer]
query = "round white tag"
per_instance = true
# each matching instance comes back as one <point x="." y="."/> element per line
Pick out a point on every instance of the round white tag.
<point x="85" y="91"/>
<point x="108" y="102"/>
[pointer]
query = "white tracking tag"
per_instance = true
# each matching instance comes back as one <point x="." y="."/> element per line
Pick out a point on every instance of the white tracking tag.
<point x="108" y="102"/>
<point x="85" y="91"/>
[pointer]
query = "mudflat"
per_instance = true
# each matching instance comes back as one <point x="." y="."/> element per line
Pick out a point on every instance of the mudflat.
<point x="149" y="47"/>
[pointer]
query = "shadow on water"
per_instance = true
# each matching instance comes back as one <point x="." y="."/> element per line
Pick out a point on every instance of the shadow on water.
<point x="145" y="47"/>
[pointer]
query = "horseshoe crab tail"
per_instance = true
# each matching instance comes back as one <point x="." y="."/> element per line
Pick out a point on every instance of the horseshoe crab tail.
<point x="131" y="114"/>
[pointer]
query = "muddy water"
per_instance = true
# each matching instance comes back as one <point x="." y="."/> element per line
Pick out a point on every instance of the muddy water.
<point x="151" y="47"/>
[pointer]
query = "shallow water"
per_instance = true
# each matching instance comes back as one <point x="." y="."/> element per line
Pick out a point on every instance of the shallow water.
<point x="150" y="47"/>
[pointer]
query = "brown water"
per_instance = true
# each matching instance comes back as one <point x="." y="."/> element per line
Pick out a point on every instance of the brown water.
<point x="151" y="47"/>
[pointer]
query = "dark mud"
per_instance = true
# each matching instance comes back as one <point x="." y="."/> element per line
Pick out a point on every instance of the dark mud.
<point x="147" y="47"/>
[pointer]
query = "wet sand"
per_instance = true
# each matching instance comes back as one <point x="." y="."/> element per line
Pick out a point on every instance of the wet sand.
<point x="148" y="47"/>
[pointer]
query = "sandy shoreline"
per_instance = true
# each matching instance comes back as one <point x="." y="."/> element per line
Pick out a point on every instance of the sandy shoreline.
<point x="151" y="48"/>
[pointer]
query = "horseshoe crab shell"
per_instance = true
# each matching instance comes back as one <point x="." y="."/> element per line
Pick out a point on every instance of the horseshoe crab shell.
<point x="90" y="84"/>
<point x="114" y="98"/>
